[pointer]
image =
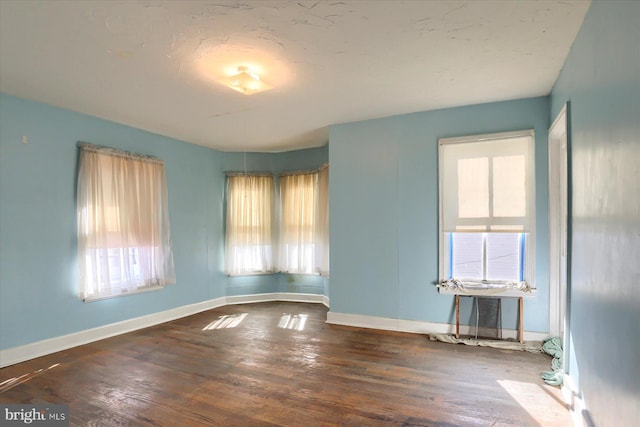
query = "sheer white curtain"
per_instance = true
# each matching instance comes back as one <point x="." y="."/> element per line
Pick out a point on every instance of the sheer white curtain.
<point x="298" y="201"/>
<point x="322" y="222"/>
<point x="250" y="224"/>
<point x="124" y="242"/>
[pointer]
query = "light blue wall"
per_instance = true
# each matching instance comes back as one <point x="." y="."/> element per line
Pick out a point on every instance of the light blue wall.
<point x="601" y="79"/>
<point x="38" y="247"/>
<point x="38" y="259"/>
<point x="296" y="160"/>
<point x="306" y="159"/>
<point x="384" y="211"/>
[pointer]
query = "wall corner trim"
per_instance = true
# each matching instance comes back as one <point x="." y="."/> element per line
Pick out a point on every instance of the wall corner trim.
<point x="36" y="349"/>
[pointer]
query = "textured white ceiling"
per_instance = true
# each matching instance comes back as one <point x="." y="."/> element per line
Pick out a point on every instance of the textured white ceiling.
<point x="144" y="63"/>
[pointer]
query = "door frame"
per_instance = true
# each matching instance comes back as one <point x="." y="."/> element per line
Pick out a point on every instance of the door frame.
<point x="558" y="224"/>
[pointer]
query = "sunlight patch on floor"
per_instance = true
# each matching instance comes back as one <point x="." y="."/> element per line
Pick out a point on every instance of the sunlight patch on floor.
<point x="12" y="382"/>
<point x="226" y="322"/>
<point x="543" y="403"/>
<point x="293" y="321"/>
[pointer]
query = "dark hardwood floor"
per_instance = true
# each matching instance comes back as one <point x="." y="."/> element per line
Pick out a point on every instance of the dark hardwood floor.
<point x="280" y="364"/>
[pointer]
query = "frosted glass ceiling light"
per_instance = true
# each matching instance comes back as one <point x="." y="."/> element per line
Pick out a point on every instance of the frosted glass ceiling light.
<point x="246" y="81"/>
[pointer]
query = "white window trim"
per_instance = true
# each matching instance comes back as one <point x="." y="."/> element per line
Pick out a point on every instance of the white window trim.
<point x="529" y="265"/>
<point x="123" y="294"/>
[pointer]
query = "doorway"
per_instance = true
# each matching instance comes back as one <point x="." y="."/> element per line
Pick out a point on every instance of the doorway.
<point x="558" y="225"/>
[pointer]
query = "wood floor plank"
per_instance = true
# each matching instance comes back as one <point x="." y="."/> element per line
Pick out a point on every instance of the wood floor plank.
<point x="280" y="364"/>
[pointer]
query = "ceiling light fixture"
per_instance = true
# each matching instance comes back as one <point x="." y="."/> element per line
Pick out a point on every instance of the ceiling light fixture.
<point x="245" y="81"/>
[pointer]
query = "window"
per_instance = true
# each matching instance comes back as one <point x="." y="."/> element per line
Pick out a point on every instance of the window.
<point x="487" y="210"/>
<point x="298" y="198"/>
<point x="124" y="243"/>
<point x="299" y="235"/>
<point x="249" y="225"/>
<point x="304" y="222"/>
<point x="486" y="256"/>
<point x="322" y="222"/>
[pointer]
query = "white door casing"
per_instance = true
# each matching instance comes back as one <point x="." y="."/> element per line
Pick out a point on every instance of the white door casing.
<point x="558" y="208"/>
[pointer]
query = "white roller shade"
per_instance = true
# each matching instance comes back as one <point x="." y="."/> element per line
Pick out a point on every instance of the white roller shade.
<point x="486" y="183"/>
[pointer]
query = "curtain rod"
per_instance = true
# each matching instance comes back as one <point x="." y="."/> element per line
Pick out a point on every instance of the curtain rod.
<point x="236" y="173"/>
<point x="305" y="172"/>
<point x="120" y="153"/>
<point x="285" y="173"/>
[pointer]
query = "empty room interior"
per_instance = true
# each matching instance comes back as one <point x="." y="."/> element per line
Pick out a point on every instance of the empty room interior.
<point x="274" y="212"/>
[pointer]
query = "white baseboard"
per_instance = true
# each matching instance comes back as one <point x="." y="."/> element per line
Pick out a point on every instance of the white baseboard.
<point x="573" y="398"/>
<point x="30" y="351"/>
<point x="417" y="326"/>
<point x="25" y="352"/>
<point x="278" y="296"/>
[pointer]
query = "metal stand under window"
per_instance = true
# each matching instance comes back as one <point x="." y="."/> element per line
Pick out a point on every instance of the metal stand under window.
<point x="488" y="317"/>
<point x="495" y="308"/>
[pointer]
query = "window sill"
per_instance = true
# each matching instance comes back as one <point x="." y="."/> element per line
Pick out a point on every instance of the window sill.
<point x="257" y="273"/>
<point x="293" y="273"/>
<point x="122" y="294"/>
<point x="487" y="288"/>
<point x="271" y="273"/>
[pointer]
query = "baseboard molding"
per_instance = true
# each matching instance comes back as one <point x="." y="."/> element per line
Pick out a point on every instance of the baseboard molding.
<point x="573" y="398"/>
<point x="30" y="351"/>
<point x="417" y="327"/>
<point x="325" y="301"/>
<point x="278" y="296"/>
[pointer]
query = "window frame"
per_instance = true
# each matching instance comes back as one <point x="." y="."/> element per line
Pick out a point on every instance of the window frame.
<point x="444" y="250"/>
<point x="521" y="257"/>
